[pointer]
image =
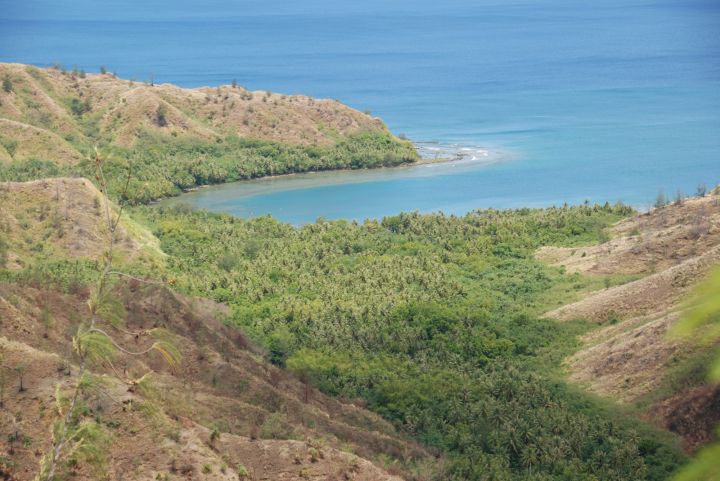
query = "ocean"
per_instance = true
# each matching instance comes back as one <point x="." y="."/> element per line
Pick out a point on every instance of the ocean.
<point x="604" y="101"/>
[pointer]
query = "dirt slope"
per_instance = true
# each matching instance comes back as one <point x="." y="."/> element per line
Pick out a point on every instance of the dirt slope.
<point x="163" y="425"/>
<point x="48" y="111"/>
<point x="673" y="248"/>
<point x="649" y="242"/>
<point x="272" y="426"/>
<point x="652" y="294"/>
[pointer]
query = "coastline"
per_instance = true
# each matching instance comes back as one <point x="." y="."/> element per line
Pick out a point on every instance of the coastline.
<point x="432" y="153"/>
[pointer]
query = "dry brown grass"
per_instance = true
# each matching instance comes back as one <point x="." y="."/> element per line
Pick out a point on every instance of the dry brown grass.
<point x="627" y="359"/>
<point x="64" y="218"/>
<point x="122" y="109"/>
<point x="647" y="243"/>
<point x="624" y="360"/>
<point x="222" y="381"/>
<point x="651" y="294"/>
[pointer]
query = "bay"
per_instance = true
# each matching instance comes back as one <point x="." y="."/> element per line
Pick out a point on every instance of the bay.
<point x="607" y="101"/>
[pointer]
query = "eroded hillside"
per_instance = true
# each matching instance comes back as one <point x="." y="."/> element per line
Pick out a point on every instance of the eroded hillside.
<point x="222" y="413"/>
<point x="57" y="103"/>
<point x="631" y="357"/>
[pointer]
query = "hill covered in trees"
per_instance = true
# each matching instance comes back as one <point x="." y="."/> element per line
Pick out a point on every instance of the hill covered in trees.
<point x="175" y="138"/>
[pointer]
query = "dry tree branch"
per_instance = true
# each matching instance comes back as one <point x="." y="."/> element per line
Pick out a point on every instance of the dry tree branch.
<point x="67" y="432"/>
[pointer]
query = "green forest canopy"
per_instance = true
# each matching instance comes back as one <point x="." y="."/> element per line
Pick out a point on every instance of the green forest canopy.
<point x="163" y="167"/>
<point x="434" y="321"/>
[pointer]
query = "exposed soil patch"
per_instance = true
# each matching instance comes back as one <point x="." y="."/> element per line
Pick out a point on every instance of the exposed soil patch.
<point x="673" y="248"/>
<point x="163" y="427"/>
<point x="693" y="414"/>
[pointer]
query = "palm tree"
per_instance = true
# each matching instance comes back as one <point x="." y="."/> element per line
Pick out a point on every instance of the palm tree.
<point x="529" y="457"/>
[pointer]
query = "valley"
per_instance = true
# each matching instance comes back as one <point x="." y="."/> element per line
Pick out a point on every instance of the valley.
<point x="168" y="342"/>
<point x="416" y="347"/>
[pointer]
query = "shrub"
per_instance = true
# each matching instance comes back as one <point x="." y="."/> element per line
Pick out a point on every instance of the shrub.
<point x="214" y="434"/>
<point x="679" y="197"/>
<point x="79" y="107"/>
<point x="314" y="455"/>
<point x="275" y="427"/>
<point x="161" y="115"/>
<point x="661" y="200"/>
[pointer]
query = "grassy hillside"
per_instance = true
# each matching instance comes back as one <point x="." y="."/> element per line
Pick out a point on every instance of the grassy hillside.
<point x="57" y="219"/>
<point x="632" y="358"/>
<point x="176" y="138"/>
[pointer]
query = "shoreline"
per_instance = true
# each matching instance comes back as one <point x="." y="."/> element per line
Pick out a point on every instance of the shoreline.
<point x="454" y="154"/>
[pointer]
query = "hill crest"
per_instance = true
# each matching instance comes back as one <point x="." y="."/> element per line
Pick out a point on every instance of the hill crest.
<point x="83" y="108"/>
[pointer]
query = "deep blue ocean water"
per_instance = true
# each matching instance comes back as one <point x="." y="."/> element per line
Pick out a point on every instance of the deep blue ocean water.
<point x="609" y="100"/>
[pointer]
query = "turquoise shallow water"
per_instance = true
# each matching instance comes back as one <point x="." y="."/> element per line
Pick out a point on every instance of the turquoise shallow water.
<point x="609" y="101"/>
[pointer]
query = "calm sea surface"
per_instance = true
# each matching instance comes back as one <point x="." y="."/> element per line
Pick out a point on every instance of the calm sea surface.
<point x="574" y="100"/>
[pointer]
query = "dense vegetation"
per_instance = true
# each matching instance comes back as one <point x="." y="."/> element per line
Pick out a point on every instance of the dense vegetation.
<point x="163" y="166"/>
<point x="434" y="322"/>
